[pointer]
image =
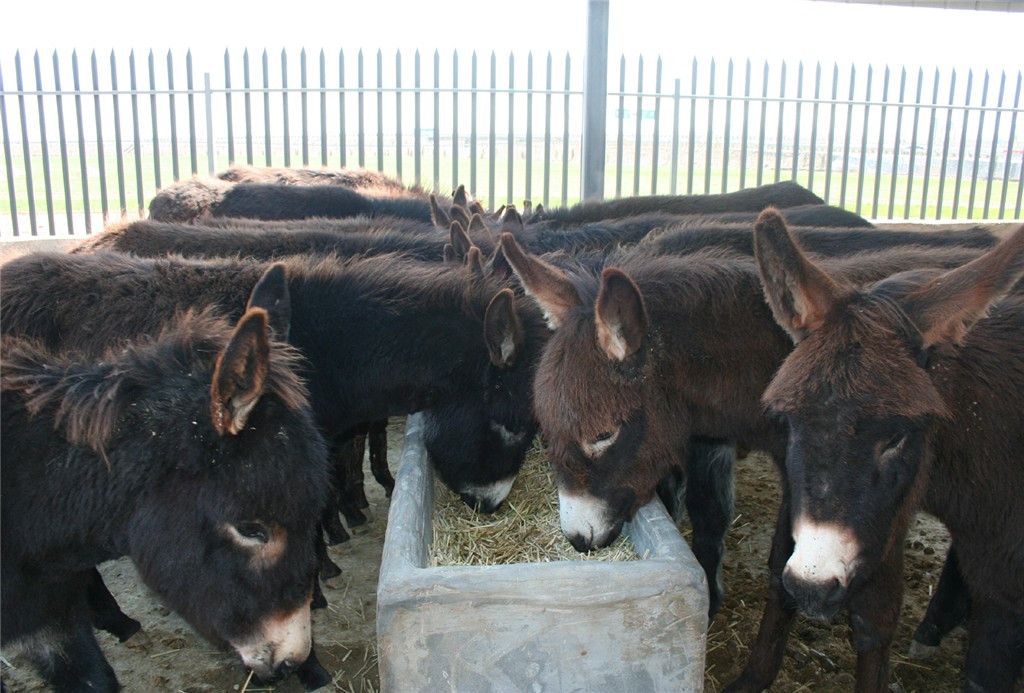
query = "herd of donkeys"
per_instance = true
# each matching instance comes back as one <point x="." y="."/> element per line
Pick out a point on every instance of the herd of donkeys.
<point x="195" y="390"/>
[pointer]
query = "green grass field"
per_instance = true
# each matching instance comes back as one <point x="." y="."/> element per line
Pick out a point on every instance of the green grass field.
<point x="143" y="174"/>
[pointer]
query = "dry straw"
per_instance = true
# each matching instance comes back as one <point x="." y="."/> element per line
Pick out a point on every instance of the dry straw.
<point x="524" y="530"/>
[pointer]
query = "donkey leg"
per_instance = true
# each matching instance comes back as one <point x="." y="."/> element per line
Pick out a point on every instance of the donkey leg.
<point x="351" y="447"/>
<point x="709" y="503"/>
<point x="947" y="609"/>
<point x="779" y="613"/>
<point x="378" y="436"/>
<point x="104" y="611"/>
<point x="995" y="650"/>
<point x="74" y="661"/>
<point x="311" y="674"/>
<point x="874" y="612"/>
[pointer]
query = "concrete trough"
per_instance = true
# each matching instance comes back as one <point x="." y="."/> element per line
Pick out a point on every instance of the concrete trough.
<point x="637" y="626"/>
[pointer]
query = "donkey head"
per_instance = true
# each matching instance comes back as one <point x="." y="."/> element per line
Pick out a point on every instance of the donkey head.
<point x="595" y="396"/>
<point x="860" y="400"/>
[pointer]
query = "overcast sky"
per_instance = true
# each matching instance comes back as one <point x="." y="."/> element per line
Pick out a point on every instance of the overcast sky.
<point x="677" y="30"/>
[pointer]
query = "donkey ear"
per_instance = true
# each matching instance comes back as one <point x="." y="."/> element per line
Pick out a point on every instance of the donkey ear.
<point x="511" y="222"/>
<point x="459" y="240"/>
<point x="502" y="333"/>
<point x="438" y="215"/>
<point x="271" y="294"/>
<point x="946" y="308"/>
<point x="527" y="208"/>
<point x="800" y="294"/>
<point x="240" y="373"/>
<point x="476" y="208"/>
<point x="459" y="214"/>
<point x="449" y="255"/>
<point x="549" y="286"/>
<point x="476" y="224"/>
<point x="475" y="262"/>
<point x="620" y="315"/>
<point x="460" y="198"/>
<point x="497" y="265"/>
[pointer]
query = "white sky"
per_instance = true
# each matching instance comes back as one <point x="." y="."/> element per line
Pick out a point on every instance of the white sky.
<point x="677" y="30"/>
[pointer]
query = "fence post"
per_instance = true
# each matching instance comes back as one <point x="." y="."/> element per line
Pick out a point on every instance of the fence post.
<point x="208" y="94"/>
<point x="595" y="99"/>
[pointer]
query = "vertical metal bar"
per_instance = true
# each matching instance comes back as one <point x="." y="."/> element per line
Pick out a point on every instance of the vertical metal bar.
<point x="831" y="132"/>
<point x="778" y="134"/>
<point x="191" y="115"/>
<point x="709" y="143"/>
<point x="881" y="144"/>
<point x="977" y="147"/>
<point x="323" y="108"/>
<point x="657" y="128"/>
<point x="511" y="142"/>
<point x="437" y="121"/>
<point x="595" y="99"/>
<point x="248" y="107"/>
<point x="529" y="125"/>
<point x="897" y="144"/>
<point x="137" y="139"/>
<point x="26" y="151"/>
<point x="913" y="143"/>
<point x="153" y="124"/>
<point x="639" y="120"/>
<point x="360" y="111"/>
<point x="764" y="114"/>
<point x="211" y="162"/>
<point x="675" y="136"/>
<point x="455" y="119"/>
<point x="227" y="104"/>
<point x="472" y="122"/>
<point x="342" y="139"/>
<point x="746" y="126"/>
<point x="267" y="146"/>
<point x="44" y="145"/>
<point x="1009" y="151"/>
<point x="812" y="159"/>
<point x="963" y="144"/>
<point x="565" y="135"/>
<point x="380" y="110"/>
<point x="491" y="138"/>
<point x="727" y="135"/>
<point x="547" y="133"/>
<point x="101" y="160"/>
<point x="799" y="103"/>
<point x="693" y="128"/>
<point x="119" y="147"/>
<point x="620" y="126"/>
<point x="931" y="145"/>
<point x="864" y="142"/>
<point x="172" y="116"/>
<point x="846" y="138"/>
<point x="284" y="108"/>
<point x="83" y="166"/>
<point x="417" y="123"/>
<point x="995" y="138"/>
<point x="944" y="164"/>
<point x="8" y="161"/>
<point x="399" y="149"/>
<point x="64" y="145"/>
<point x="304" y="106"/>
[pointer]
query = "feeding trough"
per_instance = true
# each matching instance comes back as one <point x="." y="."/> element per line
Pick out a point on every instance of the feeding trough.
<point x="555" y="626"/>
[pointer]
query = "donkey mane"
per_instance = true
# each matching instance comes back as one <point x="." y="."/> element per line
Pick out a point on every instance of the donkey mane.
<point x="91" y="397"/>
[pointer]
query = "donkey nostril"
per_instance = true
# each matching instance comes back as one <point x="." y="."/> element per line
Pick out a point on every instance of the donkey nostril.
<point x="285" y="668"/>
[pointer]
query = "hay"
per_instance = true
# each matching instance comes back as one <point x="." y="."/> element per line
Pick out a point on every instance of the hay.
<point x="524" y="530"/>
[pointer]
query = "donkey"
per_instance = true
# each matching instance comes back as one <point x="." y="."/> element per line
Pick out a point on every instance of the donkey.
<point x="97" y="457"/>
<point x="647" y="354"/>
<point x="892" y="405"/>
<point x="355" y="178"/>
<point x="784" y="194"/>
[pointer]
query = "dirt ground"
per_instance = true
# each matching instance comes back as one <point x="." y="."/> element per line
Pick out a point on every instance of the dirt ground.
<point x="169" y="656"/>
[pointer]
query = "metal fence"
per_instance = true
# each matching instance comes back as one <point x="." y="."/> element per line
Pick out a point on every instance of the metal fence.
<point x="886" y="142"/>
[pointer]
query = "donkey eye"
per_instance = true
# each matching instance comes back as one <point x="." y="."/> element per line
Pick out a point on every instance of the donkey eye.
<point x="599" y="445"/>
<point x="253" y="531"/>
<point x="894" y="446"/>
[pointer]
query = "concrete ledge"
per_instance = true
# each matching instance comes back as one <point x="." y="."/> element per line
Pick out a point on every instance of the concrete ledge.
<point x="559" y="626"/>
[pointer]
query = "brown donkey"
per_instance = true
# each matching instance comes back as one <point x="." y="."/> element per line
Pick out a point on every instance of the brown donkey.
<point x="646" y="356"/>
<point x="903" y="396"/>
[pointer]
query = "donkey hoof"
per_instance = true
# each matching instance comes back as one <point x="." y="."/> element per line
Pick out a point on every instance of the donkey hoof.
<point x="329" y="569"/>
<point x="920" y="651"/>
